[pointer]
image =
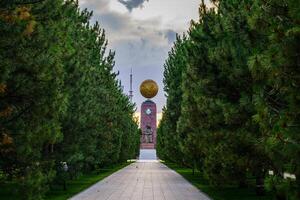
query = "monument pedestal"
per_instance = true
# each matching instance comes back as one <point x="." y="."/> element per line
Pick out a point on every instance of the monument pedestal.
<point x="147" y="146"/>
<point x="148" y="125"/>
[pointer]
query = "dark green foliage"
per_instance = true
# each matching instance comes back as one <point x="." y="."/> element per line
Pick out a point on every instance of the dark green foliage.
<point x="276" y="72"/>
<point x="60" y="100"/>
<point x="237" y="95"/>
<point x="169" y="144"/>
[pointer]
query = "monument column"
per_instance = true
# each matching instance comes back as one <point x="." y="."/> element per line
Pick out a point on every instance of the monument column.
<point x="148" y="89"/>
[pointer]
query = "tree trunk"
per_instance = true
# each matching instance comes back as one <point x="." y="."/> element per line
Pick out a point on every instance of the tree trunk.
<point x="298" y="184"/>
<point x="194" y="166"/>
<point x="260" y="188"/>
<point x="243" y="184"/>
<point x="65" y="185"/>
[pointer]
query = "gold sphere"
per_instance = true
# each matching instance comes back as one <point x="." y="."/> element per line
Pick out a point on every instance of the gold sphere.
<point x="149" y="89"/>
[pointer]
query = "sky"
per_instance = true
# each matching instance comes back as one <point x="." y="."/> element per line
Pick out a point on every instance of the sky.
<point x="142" y="32"/>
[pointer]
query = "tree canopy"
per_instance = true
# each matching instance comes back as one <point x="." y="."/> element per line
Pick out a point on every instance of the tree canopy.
<point x="232" y="87"/>
<point x="60" y="100"/>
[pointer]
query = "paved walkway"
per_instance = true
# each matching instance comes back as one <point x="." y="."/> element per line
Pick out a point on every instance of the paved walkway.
<point x="143" y="180"/>
<point x="147" y="154"/>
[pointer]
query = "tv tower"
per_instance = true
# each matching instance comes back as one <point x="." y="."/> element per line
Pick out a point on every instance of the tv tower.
<point x="131" y="91"/>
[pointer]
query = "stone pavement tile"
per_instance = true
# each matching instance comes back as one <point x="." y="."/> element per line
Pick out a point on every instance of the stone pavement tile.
<point x="143" y="181"/>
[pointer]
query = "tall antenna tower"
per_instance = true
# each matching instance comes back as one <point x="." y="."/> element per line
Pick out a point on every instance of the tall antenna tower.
<point x="131" y="91"/>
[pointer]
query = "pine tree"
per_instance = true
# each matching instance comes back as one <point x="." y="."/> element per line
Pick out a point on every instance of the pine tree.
<point x="239" y="94"/>
<point x="60" y="100"/>
<point x="33" y="80"/>
<point x="275" y="70"/>
<point x="170" y="148"/>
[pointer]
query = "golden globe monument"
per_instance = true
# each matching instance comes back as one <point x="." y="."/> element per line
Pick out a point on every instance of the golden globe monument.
<point x="148" y="89"/>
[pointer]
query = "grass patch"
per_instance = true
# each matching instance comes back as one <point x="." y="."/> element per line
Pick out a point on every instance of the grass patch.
<point x="76" y="186"/>
<point x="227" y="192"/>
<point x="8" y="191"/>
<point x="73" y="186"/>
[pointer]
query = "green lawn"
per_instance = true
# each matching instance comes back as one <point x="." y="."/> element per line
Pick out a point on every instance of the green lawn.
<point x="224" y="193"/>
<point x="73" y="186"/>
<point x="7" y="191"/>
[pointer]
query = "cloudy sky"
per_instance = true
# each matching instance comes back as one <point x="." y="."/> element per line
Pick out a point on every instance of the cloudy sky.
<point x="142" y="32"/>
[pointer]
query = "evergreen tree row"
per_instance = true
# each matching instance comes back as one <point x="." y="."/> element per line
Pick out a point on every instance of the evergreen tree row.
<point x="62" y="110"/>
<point x="233" y="96"/>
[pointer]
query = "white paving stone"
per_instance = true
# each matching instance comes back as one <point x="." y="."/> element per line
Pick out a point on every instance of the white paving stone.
<point x="143" y="181"/>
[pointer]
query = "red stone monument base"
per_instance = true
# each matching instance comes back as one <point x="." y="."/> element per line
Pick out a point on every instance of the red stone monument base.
<point x="147" y="146"/>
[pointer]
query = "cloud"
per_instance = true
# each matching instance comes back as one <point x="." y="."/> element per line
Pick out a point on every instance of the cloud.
<point x="122" y="29"/>
<point x="131" y="4"/>
<point x="95" y="6"/>
<point x="114" y="21"/>
<point x="141" y="38"/>
<point x="170" y="35"/>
